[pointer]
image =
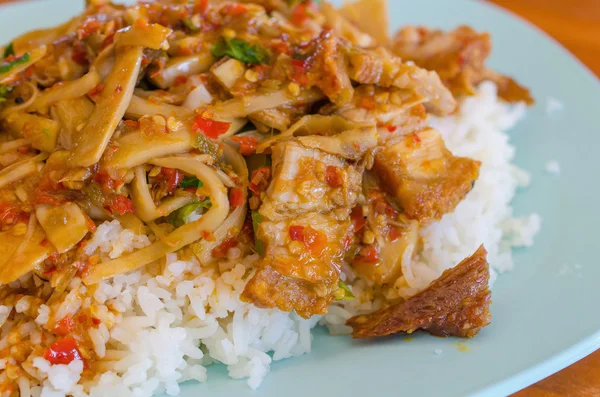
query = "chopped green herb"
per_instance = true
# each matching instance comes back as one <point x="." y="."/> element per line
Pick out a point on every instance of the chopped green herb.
<point x="191" y="182"/>
<point x="46" y="131"/>
<point x="4" y="91"/>
<point x="7" y="66"/>
<point x="241" y="50"/>
<point x="256" y="219"/>
<point x="8" y="51"/>
<point x="206" y="146"/>
<point x="180" y="217"/>
<point x="343" y="293"/>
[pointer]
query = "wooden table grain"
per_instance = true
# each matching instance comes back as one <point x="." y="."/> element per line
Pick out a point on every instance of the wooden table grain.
<point x="576" y="25"/>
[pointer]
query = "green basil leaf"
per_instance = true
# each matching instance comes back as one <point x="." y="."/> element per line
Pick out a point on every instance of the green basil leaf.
<point x="190" y="182"/>
<point x="179" y="218"/>
<point x="7" y="66"/>
<point x="241" y="50"/>
<point x="8" y="51"/>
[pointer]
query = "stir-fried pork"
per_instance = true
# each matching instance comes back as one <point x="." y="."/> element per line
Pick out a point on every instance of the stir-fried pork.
<point x="456" y="304"/>
<point x="308" y="180"/>
<point x="423" y="176"/>
<point x="458" y="56"/>
<point x="304" y="230"/>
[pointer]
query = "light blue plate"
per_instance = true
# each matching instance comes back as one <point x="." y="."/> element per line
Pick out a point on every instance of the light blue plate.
<point x="545" y="314"/>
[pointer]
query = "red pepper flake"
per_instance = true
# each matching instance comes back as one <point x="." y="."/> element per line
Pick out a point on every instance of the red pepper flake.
<point x="88" y="28"/>
<point x="314" y="240"/>
<point x="45" y="243"/>
<point x="220" y="251"/>
<point x="171" y="177"/>
<point x="208" y="236"/>
<point x="234" y="9"/>
<point x="96" y="321"/>
<point x="358" y="219"/>
<point x="209" y="127"/>
<point x="236" y="197"/>
<point x="259" y="181"/>
<point x="96" y="90"/>
<point x="65" y="326"/>
<point x="369" y="254"/>
<point x="391" y="128"/>
<point x="416" y="137"/>
<point x="23" y="150"/>
<point x="62" y="352"/>
<point x="334" y="176"/>
<point x="11" y="214"/>
<point x="181" y="79"/>
<point x="247" y="144"/>
<point x="299" y="72"/>
<point x="393" y="234"/>
<point x="296" y="233"/>
<point x="108" y="184"/>
<point x="120" y="205"/>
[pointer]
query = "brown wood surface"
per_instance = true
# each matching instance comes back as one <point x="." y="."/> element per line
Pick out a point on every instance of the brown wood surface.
<point x="575" y="24"/>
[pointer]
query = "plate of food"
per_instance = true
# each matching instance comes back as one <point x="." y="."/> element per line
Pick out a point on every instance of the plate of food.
<point x="195" y="194"/>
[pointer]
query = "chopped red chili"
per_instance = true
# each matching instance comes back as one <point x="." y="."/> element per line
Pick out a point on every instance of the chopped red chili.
<point x="314" y="240"/>
<point x="299" y="72"/>
<point x="62" y="352"/>
<point x="296" y="233"/>
<point x="65" y="326"/>
<point x="259" y="181"/>
<point x="247" y="144"/>
<point x="236" y="197"/>
<point x="334" y="176"/>
<point x="209" y="127"/>
<point x="119" y="204"/>
<point x="391" y="128"/>
<point x="369" y="254"/>
<point x="171" y="177"/>
<point x="220" y="251"/>
<point x="358" y="219"/>
<point x="96" y="90"/>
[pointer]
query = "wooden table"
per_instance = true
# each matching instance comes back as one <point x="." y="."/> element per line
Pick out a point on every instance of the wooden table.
<point x="575" y="24"/>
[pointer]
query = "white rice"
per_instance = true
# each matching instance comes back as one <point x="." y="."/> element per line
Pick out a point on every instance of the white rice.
<point x="159" y="331"/>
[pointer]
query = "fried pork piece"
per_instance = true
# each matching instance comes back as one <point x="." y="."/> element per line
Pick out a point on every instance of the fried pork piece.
<point x="456" y="304"/>
<point x="304" y="227"/>
<point x="301" y="264"/>
<point x="458" y="57"/>
<point x="381" y="68"/>
<point x="423" y="176"/>
<point x="308" y="180"/>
